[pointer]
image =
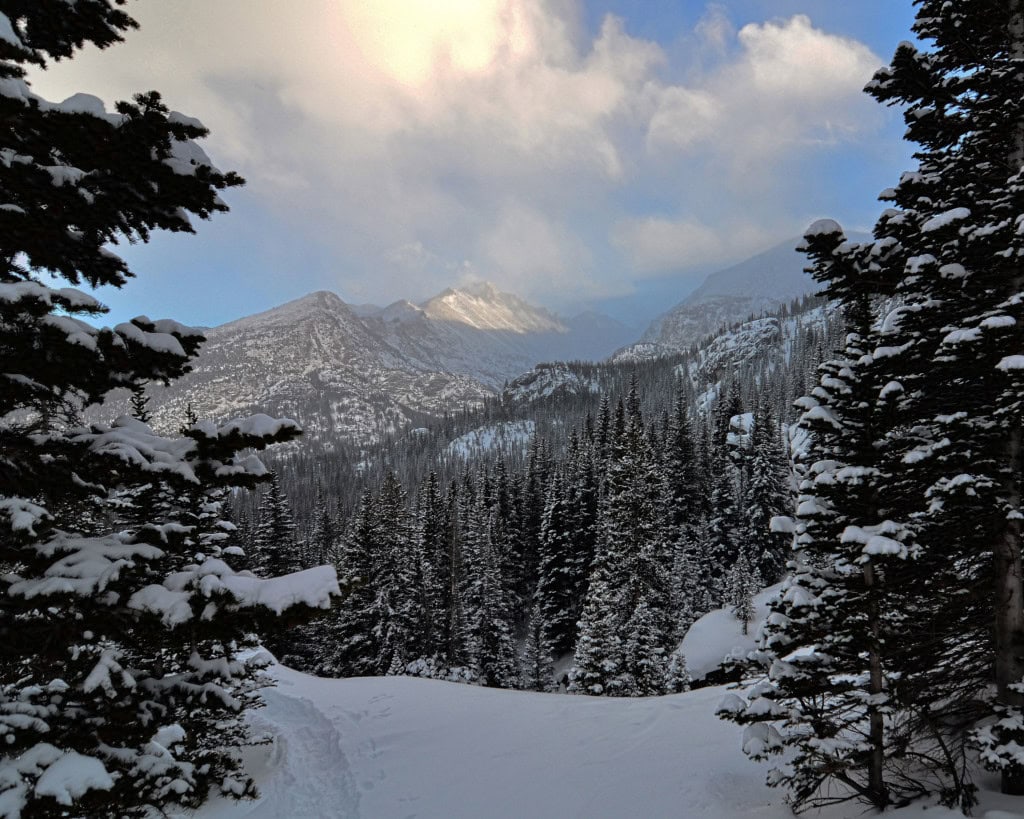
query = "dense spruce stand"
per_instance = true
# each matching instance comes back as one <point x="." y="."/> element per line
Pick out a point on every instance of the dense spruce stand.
<point x="122" y="691"/>
<point x="905" y="604"/>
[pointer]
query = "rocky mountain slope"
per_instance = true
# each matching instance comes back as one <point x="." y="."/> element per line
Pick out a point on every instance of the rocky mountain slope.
<point x="358" y="374"/>
<point x="755" y="287"/>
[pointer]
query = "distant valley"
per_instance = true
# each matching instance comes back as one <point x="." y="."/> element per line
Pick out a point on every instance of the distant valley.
<point x="359" y="373"/>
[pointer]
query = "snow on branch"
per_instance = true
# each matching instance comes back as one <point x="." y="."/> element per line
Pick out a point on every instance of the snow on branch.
<point x="21" y="515"/>
<point x="87" y="565"/>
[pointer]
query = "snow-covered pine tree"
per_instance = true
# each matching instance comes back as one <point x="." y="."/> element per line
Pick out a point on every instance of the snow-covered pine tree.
<point x="398" y="610"/>
<point x="727" y="407"/>
<point x="829" y="680"/>
<point x="767" y="496"/>
<point x="434" y="541"/>
<point x="120" y="689"/>
<point x="687" y="489"/>
<point x="562" y="572"/>
<point x="490" y="644"/>
<point x="956" y="348"/>
<point x="743" y="582"/>
<point x="723" y="534"/>
<point x="350" y="647"/>
<point x="538" y="665"/>
<point x="626" y="623"/>
<point x="274" y="547"/>
<point x="325" y="537"/>
<point x="582" y="487"/>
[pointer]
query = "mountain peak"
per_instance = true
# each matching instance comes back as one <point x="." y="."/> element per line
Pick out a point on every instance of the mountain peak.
<point x="481" y="290"/>
<point x="482" y="306"/>
<point x="317" y="302"/>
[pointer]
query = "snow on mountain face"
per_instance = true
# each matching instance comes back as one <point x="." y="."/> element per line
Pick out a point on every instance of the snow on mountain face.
<point x="314" y="360"/>
<point x="741" y="344"/>
<point x="483" y="307"/>
<point x="547" y="380"/>
<point x="358" y="374"/>
<point x="761" y="284"/>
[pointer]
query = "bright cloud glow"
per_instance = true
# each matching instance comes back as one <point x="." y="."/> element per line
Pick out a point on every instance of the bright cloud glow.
<point x="417" y="140"/>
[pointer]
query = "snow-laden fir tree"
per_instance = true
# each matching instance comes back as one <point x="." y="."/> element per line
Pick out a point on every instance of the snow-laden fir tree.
<point x="767" y="496"/>
<point x="538" y="664"/>
<point x="489" y="634"/>
<point x="957" y="344"/>
<point x="626" y="624"/>
<point x="831" y="682"/>
<point x="952" y="356"/>
<point x="435" y="543"/>
<point x="563" y="568"/>
<point x="350" y="646"/>
<point x="274" y="548"/>
<point x="121" y="690"/>
<point x="324" y="536"/>
<point x="398" y="610"/>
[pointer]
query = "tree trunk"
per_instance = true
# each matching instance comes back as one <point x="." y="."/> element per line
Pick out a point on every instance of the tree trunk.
<point x="876" y="721"/>
<point x="1009" y="585"/>
<point x="1009" y="613"/>
<point x="1009" y="632"/>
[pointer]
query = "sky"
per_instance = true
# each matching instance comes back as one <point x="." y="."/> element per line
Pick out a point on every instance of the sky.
<point x="583" y="154"/>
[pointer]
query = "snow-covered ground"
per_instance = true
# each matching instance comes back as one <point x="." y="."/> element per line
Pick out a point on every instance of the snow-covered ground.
<point x="403" y="747"/>
<point x="407" y="748"/>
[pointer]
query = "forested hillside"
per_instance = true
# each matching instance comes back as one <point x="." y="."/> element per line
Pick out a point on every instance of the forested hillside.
<point x="582" y="521"/>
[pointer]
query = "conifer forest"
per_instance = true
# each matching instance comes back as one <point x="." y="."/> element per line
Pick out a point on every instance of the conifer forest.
<point x="823" y="495"/>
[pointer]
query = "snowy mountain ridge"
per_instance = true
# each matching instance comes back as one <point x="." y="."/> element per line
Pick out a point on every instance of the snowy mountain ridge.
<point x="484" y="307"/>
<point x="760" y="285"/>
<point x="358" y="374"/>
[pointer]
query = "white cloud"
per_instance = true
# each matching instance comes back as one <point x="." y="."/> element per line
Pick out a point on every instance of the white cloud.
<point x="714" y="29"/>
<point x="525" y="250"/>
<point x="655" y="244"/>
<point x="421" y="139"/>
<point x="791" y="85"/>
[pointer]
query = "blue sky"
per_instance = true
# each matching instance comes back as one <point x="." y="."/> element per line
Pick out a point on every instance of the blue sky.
<point x="584" y="155"/>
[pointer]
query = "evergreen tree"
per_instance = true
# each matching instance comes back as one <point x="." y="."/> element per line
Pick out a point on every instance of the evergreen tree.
<point x="398" y="608"/>
<point x="562" y="571"/>
<point x="677" y="676"/>
<point x="139" y="403"/>
<point x="119" y="645"/>
<point x="950" y="377"/>
<point x="729" y="405"/>
<point x="324" y="537"/>
<point x="434" y="537"/>
<point x="626" y="622"/>
<point x="275" y="550"/>
<point x="491" y="646"/>
<point x="685" y="483"/>
<point x="956" y="342"/>
<point x="767" y="497"/>
<point x="744" y="581"/>
<point x="538" y="665"/>
<point x="835" y="643"/>
<point x="353" y="648"/>
<point x="724" y="532"/>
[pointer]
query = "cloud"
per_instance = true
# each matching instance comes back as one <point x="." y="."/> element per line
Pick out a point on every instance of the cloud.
<point x="421" y="140"/>
<point x="655" y="244"/>
<point x="526" y="250"/>
<point x="790" y="85"/>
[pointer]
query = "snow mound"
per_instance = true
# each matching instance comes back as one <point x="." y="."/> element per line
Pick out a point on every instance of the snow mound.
<point x="719" y="634"/>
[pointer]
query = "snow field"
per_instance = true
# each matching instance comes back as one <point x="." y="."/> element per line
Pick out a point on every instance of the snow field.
<point x="408" y="748"/>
